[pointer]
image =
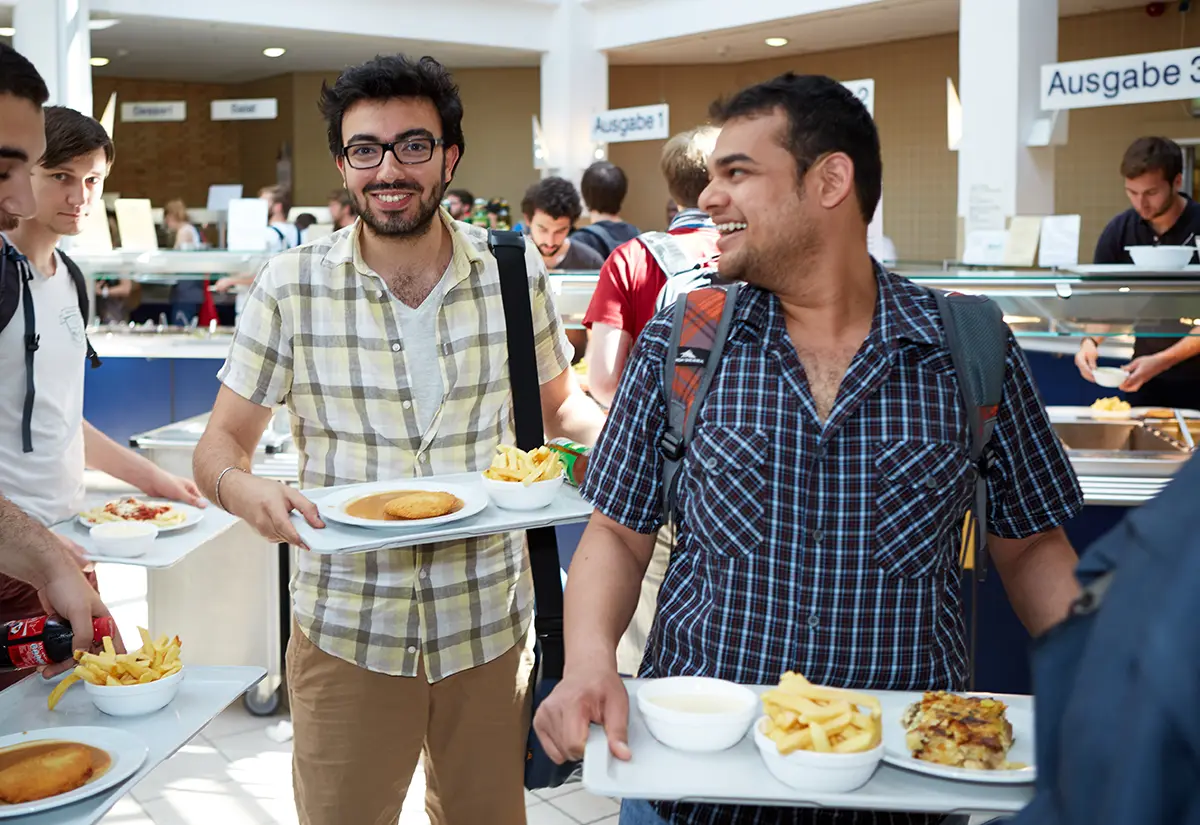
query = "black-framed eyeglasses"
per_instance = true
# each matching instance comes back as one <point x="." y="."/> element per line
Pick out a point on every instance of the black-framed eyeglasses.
<point x="410" y="151"/>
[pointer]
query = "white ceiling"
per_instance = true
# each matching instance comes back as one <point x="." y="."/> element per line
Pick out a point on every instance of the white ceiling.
<point x="885" y="21"/>
<point x="151" y="47"/>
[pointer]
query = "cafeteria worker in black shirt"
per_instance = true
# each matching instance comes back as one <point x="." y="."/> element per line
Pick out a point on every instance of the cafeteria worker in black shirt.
<point x="1165" y="371"/>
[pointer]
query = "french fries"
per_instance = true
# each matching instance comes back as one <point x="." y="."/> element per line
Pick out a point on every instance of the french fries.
<point x="803" y="716"/>
<point x="511" y="464"/>
<point x="157" y="659"/>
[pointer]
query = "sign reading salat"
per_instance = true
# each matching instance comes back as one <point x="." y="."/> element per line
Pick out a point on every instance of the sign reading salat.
<point x="637" y="123"/>
<point x="864" y="90"/>
<point x="265" y="108"/>
<point x="1116" y="81"/>
<point x="156" y="111"/>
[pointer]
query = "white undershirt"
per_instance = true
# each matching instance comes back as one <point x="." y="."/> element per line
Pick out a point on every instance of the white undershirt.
<point x="418" y="332"/>
<point x="47" y="483"/>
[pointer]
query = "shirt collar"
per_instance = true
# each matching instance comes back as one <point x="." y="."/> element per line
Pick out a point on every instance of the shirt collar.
<point x="899" y="314"/>
<point x="691" y="219"/>
<point x="347" y="251"/>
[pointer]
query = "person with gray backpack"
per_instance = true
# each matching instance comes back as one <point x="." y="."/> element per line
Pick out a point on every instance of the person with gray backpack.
<point x="817" y="430"/>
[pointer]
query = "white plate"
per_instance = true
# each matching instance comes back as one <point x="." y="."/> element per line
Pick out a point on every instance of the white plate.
<point x="896" y="752"/>
<point x="126" y="750"/>
<point x="473" y="497"/>
<point x="194" y="514"/>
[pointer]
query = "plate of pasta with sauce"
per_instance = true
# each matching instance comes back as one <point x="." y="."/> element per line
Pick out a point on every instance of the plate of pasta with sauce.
<point x="167" y="516"/>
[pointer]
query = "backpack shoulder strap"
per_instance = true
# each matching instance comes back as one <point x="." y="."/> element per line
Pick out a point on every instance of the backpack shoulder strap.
<point x="666" y="252"/>
<point x="700" y="327"/>
<point x="978" y="341"/>
<point x="84" y="305"/>
<point x="607" y="238"/>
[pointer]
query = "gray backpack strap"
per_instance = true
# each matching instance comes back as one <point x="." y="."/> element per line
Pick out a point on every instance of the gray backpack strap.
<point x="607" y="239"/>
<point x="666" y="252"/>
<point x="700" y="326"/>
<point x="978" y="341"/>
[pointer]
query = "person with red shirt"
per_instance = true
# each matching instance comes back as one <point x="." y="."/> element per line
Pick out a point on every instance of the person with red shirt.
<point x="630" y="288"/>
<point x="633" y="276"/>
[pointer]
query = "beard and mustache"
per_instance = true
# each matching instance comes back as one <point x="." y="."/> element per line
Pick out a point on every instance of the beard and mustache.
<point x="398" y="224"/>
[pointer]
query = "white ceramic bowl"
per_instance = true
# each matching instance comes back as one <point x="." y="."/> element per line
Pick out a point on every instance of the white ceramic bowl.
<point x="694" y="713"/>
<point x="135" y="700"/>
<point x="1110" y="377"/>
<point x="1161" y="257"/>
<point x="813" y="771"/>
<point x="124" y="538"/>
<point x="513" y="495"/>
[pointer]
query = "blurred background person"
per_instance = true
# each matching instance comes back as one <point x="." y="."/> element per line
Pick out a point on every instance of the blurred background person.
<point x="604" y="187"/>
<point x="187" y="295"/>
<point x="459" y="203"/>
<point x="341" y="209"/>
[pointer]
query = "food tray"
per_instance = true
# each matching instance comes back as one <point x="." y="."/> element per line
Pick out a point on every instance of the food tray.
<point x="568" y="508"/>
<point x="738" y="776"/>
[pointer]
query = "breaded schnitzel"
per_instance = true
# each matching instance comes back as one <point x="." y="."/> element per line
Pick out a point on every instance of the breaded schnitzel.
<point x="48" y="770"/>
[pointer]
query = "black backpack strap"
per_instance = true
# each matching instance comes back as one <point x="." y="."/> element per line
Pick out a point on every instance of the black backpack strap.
<point x="84" y="305"/>
<point x="978" y="341"/>
<point x="607" y="238"/>
<point x="509" y="250"/>
<point x="31" y="346"/>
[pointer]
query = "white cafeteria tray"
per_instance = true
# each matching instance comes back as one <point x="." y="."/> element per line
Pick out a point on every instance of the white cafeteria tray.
<point x="204" y="693"/>
<point x="739" y="777"/>
<point x="1063" y="413"/>
<point x="568" y="508"/>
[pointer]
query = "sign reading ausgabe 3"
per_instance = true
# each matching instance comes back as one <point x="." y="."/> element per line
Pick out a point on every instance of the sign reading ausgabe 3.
<point x="1116" y="81"/>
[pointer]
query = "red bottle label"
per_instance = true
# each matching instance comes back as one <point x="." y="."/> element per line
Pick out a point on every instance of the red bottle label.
<point x="24" y="628"/>
<point x="28" y="655"/>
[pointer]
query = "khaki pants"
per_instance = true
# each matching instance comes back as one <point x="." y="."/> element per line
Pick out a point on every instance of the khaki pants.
<point x="633" y="644"/>
<point x="358" y="735"/>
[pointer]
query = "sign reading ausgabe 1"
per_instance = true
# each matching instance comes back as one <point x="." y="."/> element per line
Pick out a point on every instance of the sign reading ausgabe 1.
<point x="1115" y="81"/>
<point x="638" y="123"/>
<point x="157" y="111"/>
<point x="264" y="108"/>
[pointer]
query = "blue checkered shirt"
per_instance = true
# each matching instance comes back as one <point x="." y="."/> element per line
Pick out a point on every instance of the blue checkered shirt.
<point x="829" y="549"/>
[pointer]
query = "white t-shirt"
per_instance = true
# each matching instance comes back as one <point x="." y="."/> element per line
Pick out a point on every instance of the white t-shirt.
<point x="418" y="334"/>
<point x="48" y="482"/>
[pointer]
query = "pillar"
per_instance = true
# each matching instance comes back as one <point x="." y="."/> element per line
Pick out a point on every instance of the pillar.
<point x="54" y="36"/>
<point x="574" y="85"/>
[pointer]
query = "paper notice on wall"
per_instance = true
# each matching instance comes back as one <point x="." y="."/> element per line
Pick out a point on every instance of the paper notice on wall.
<point x="95" y="234"/>
<point x="135" y="223"/>
<point x="1022" y="244"/>
<point x="985" y="208"/>
<point x="875" y="244"/>
<point x="1060" y="241"/>
<point x="247" y="228"/>
<point x="220" y="194"/>
<point x="985" y="247"/>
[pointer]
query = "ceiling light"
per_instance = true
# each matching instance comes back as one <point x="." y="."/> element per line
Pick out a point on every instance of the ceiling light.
<point x="7" y="31"/>
<point x="101" y="25"/>
<point x="274" y="51"/>
<point x="99" y="61"/>
<point x="776" y="42"/>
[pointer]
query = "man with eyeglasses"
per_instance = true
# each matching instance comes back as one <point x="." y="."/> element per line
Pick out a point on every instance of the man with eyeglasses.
<point x="386" y="342"/>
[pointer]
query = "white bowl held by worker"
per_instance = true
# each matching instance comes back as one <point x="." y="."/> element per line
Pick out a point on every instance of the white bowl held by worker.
<point x="124" y="538"/>
<point x="135" y="700"/>
<point x="694" y="713"/>
<point x="514" y="495"/>
<point x="1161" y="257"/>
<point x="1110" y="377"/>
<point x="815" y="771"/>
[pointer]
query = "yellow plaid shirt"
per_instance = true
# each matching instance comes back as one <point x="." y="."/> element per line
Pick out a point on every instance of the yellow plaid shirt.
<point x="320" y="334"/>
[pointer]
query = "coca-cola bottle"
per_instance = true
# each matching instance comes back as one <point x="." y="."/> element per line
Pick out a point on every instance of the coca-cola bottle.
<point x="43" y="640"/>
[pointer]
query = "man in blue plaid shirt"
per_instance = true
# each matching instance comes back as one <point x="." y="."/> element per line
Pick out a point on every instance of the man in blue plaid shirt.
<point x="822" y="497"/>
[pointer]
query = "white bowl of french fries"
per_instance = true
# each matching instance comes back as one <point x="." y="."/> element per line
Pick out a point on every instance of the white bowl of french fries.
<point x="817" y="738"/>
<point x="128" y="684"/>
<point x="520" y="480"/>
<point x="695" y="713"/>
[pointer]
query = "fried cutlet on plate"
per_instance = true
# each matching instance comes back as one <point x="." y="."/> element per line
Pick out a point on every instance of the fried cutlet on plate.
<point x="46" y="772"/>
<point x="959" y="731"/>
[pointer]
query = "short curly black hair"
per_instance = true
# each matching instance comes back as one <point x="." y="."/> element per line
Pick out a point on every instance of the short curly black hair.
<point x="558" y="198"/>
<point x="383" y="78"/>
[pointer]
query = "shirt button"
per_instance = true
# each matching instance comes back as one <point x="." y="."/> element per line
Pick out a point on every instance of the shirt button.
<point x="813" y="621"/>
<point x="408" y="405"/>
<point x="818" y="535"/>
<point x="412" y="649"/>
<point x="379" y="293"/>
<point x="395" y="347"/>
<point x="422" y="458"/>
<point x="710" y="464"/>
<point x="931" y="483"/>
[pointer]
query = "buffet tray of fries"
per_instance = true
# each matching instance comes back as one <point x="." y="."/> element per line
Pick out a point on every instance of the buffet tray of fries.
<point x="740" y="776"/>
<point x="336" y="537"/>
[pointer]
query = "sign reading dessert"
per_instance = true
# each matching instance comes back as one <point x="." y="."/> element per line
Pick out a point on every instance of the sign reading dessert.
<point x="263" y="108"/>
<point x="158" y="111"/>
<point x="637" y="123"/>
<point x="1116" y="81"/>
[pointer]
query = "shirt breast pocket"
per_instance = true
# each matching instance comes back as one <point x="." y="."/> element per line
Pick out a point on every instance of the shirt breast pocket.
<point x="727" y="478"/>
<point x="921" y="487"/>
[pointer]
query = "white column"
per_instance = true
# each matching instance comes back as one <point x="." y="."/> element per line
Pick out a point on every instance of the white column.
<point x="574" y="80"/>
<point x="54" y="35"/>
<point x="1001" y="48"/>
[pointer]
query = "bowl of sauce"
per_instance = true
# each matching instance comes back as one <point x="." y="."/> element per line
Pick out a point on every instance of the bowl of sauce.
<point x="696" y="713"/>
